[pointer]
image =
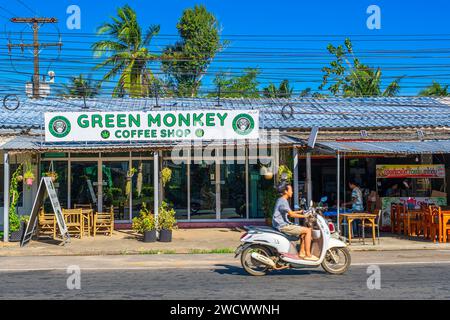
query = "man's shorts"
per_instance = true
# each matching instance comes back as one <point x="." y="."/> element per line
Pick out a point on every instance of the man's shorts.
<point x="293" y="230"/>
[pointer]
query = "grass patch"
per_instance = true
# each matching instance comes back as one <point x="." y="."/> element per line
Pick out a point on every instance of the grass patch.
<point x="206" y="251"/>
<point x="157" y="252"/>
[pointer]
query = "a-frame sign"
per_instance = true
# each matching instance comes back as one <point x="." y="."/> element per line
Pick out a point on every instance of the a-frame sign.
<point x="45" y="186"/>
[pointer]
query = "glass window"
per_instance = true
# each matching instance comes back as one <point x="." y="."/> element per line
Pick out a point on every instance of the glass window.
<point x="232" y="191"/>
<point x="203" y="191"/>
<point x="84" y="155"/>
<point x="117" y="188"/>
<point x="54" y="155"/>
<point x="84" y="185"/>
<point x="142" y="186"/>
<point x="61" y="183"/>
<point x="261" y="192"/>
<point x="175" y="191"/>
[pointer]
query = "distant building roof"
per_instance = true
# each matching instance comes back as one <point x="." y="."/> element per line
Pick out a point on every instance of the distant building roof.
<point x="284" y="114"/>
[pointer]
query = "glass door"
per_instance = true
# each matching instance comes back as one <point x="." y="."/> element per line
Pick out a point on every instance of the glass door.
<point x="203" y="191"/>
<point x="84" y="183"/>
<point x="117" y="188"/>
<point x="232" y="191"/>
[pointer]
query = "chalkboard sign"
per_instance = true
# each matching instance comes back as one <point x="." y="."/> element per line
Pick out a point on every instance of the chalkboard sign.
<point x="45" y="187"/>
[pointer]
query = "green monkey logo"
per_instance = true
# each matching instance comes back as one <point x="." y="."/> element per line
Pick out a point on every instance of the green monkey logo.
<point x="59" y="126"/>
<point x="243" y="124"/>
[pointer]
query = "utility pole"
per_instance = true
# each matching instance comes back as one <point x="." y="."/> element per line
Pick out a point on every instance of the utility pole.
<point x="35" y="25"/>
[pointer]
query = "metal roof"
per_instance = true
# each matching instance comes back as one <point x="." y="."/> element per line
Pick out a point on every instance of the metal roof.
<point x="37" y="144"/>
<point x="388" y="147"/>
<point x="284" y="114"/>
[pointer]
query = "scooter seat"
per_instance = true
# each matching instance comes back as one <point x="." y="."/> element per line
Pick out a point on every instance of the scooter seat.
<point x="273" y="230"/>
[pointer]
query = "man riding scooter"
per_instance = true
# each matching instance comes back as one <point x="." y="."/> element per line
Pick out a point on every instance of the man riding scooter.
<point x="280" y="221"/>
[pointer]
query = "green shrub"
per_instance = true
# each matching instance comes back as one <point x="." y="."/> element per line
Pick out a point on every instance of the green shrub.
<point x="166" y="217"/>
<point x="145" y="221"/>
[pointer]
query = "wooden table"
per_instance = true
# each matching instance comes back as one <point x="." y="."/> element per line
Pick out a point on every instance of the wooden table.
<point x="445" y="218"/>
<point x="363" y="216"/>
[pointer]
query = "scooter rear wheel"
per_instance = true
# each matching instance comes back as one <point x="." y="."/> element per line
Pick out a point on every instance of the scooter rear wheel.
<point x="252" y="266"/>
<point x="341" y="265"/>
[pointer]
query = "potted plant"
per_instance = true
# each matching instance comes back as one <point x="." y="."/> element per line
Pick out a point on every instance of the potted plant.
<point x="18" y="234"/>
<point x="145" y="224"/>
<point x="52" y="174"/>
<point x="269" y="199"/>
<point x="166" y="222"/>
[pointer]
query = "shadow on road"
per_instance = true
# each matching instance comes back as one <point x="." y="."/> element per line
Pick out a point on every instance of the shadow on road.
<point x="239" y="271"/>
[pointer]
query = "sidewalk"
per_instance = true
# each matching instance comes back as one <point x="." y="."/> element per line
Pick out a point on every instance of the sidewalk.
<point x="187" y="241"/>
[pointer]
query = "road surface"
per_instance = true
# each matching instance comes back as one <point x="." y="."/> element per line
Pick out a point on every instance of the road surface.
<point x="421" y="274"/>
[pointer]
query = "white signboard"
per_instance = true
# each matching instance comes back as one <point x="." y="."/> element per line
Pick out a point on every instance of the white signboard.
<point x="152" y="125"/>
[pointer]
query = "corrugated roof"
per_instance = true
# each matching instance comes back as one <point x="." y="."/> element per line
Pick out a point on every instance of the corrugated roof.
<point x="387" y="147"/>
<point x="36" y="143"/>
<point x="285" y="114"/>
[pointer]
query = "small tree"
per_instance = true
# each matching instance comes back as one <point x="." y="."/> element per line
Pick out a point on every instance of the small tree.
<point x="435" y="90"/>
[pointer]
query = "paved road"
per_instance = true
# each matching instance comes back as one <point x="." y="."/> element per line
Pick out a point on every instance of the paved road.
<point x="404" y="275"/>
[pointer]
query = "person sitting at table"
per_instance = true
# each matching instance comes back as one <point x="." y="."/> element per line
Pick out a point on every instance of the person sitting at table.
<point x="357" y="202"/>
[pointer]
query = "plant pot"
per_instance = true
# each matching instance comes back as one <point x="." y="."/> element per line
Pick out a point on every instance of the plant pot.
<point x="29" y="181"/>
<point x="20" y="178"/>
<point x="150" y="236"/>
<point x="18" y="235"/>
<point x="165" y="235"/>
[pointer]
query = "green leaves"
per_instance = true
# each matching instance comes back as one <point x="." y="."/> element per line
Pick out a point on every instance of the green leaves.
<point x="187" y="61"/>
<point x="435" y="90"/>
<point x="347" y="76"/>
<point x="127" y="55"/>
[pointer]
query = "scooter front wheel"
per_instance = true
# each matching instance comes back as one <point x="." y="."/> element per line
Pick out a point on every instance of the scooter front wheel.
<point x="337" y="260"/>
<point x="252" y="266"/>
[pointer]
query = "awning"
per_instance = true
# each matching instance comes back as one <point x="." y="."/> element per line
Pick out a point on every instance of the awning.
<point x="387" y="147"/>
<point x="28" y="143"/>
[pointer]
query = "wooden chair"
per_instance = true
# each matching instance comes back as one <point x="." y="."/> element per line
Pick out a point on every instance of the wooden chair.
<point x="74" y="221"/>
<point x="394" y="217"/>
<point x="46" y="224"/>
<point x="373" y="226"/>
<point x="82" y="206"/>
<point x="433" y="223"/>
<point x="402" y="219"/>
<point x="414" y="222"/>
<point x="104" y="222"/>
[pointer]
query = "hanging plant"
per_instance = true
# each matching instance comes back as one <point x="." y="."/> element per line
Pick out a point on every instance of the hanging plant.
<point x="139" y="180"/>
<point x="28" y="175"/>
<point x="130" y="175"/>
<point x="52" y="174"/>
<point x="284" y="173"/>
<point x="166" y="175"/>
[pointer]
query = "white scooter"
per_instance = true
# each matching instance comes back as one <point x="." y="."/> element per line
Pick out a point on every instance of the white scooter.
<point x="264" y="249"/>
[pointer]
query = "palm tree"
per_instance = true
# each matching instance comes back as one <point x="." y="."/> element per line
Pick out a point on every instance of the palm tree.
<point x="363" y="81"/>
<point x="80" y="87"/>
<point x="284" y="90"/>
<point x="127" y="55"/>
<point x="435" y="90"/>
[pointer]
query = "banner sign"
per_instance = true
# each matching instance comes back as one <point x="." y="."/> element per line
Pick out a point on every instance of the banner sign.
<point x="151" y="125"/>
<point x="411" y="171"/>
<point x="410" y="202"/>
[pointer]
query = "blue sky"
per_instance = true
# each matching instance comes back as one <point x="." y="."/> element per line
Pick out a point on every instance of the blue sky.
<point x="296" y="58"/>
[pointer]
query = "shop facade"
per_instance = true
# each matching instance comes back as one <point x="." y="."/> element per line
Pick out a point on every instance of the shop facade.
<point x="216" y="189"/>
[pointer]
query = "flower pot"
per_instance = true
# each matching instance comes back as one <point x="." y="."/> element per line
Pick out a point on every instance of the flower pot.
<point x="165" y="235"/>
<point x="18" y="235"/>
<point x="20" y="178"/>
<point x="29" y="181"/>
<point x="150" y="236"/>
